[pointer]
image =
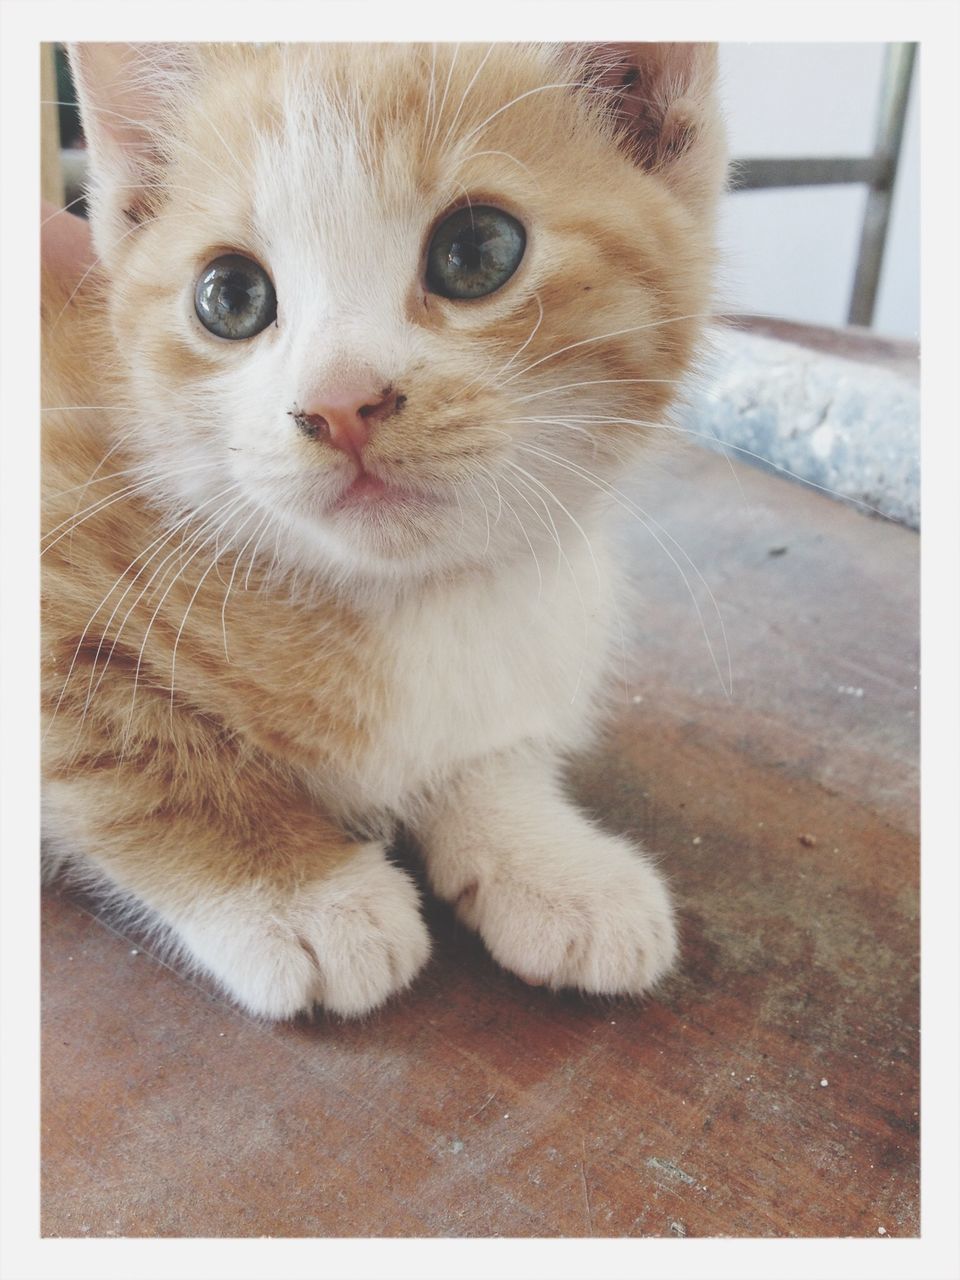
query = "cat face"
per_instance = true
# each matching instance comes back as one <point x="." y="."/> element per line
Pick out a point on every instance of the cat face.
<point x="396" y="309"/>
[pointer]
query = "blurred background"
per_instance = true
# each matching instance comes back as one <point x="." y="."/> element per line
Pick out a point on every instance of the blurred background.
<point x="793" y="251"/>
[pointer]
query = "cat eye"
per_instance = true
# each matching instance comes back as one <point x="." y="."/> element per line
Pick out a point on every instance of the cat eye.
<point x="474" y="252"/>
<point x="235" y="297"/>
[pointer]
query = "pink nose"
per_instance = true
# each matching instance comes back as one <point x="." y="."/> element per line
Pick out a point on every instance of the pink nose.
<point x="346" y="416"/>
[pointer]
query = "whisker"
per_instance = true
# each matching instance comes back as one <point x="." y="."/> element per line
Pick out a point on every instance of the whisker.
<point x="63" y="209"/>
<point x="149" y="482"/>
<point x="546" y="520"/>
<point x="576" y="585"/>
<point x="493" y="480"/>
<point x="226" y="594"/>
<point x="713" y="438"/>
<point x="568" y="425"/>
<point x="140" y="226"/>
<point x="142" y="469"/>
<point x="570" y="517"/>
<point x="602" y="337"/>
<point x="163" y="540"/>
<point x="158" y="134"/>
<point x="456" y="494"/>
<point x="473" y="155"/>
<point x="196" y="590"/>
<point x="443" y="100"/>
<point x="591" y="436"/>
<point x="231" y="508"/>
<point x="523" y="530"/>
<point x="466" y="93"/>
<point x="113" y="448"/>
<point x="253" y="558"/>
<point x="78" y="517"/>
<point x="595" y="382"/>
<point x="526" y="344"/>
<point x="139" y="186"/>
<point x="157" y="544"/>
<point x="432" y="87"/>
<point x="486" y="545"/>
<point x="652" y="525"/>
<point x="812" y="484"/>
<point x="542" y="88"/>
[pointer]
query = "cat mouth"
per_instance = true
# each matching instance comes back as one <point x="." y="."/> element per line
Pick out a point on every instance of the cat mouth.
<point x="371" y="494"/>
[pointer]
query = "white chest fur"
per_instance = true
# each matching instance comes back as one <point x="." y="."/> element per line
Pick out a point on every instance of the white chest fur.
<point x="483" y="666"/>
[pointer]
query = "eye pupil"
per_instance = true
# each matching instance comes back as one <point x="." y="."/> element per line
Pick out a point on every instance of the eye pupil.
<point x="234" y="293"/>
<point x="465" y="255"/>
<point x="474" y="252"/>
<point x="235" y="298"/>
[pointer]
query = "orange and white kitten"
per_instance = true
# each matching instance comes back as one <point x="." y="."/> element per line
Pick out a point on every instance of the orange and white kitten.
<point x="329" y="437"/>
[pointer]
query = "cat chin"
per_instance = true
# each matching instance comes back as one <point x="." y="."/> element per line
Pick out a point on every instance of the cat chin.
<point x="361" y="549"/>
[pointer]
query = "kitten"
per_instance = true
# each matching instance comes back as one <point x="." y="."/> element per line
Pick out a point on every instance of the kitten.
<point x="327" y="455"/>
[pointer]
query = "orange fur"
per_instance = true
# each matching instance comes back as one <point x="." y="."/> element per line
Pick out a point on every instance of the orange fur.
<point x="201" y="739"/>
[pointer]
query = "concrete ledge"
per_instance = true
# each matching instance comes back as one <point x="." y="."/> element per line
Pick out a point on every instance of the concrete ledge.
<point x="849" y="427"/>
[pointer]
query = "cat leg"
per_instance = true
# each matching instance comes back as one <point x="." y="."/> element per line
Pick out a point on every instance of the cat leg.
<point x="282" y="909"/>
<point x="556" y="900"/>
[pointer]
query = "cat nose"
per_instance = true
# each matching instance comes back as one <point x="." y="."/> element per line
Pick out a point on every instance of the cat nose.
<point x="346" y="416"/>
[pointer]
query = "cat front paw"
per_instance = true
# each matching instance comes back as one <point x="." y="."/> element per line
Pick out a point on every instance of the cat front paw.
<point x="594" y="913"/>
<point x="347" y="942"/>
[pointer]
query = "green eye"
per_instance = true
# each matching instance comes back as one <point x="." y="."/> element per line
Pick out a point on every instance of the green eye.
<point x="235" y="297"/>
<point x="474" y="252"/>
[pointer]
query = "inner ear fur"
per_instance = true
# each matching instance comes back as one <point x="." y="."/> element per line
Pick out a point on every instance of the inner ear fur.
<point x="126" y="94"/>
<point x="662" y="99"/>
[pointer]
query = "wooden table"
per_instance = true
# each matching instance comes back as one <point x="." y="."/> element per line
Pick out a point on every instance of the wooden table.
<point x="771" y="1089"/>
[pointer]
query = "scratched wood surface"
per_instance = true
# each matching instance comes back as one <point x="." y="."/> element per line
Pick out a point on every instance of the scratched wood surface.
<point x="770" y="1089"/>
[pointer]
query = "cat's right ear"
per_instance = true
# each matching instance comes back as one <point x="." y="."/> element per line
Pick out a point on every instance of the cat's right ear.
<point x="126" y="93"/>
<point x="662" y="99"/>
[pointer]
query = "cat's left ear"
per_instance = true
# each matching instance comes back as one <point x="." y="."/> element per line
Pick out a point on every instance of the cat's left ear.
<point x="663" y="100"/>
<point x="126" y="94"/>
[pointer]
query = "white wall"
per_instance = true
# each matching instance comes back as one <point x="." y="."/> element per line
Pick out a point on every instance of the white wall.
<point x="792" y="252"/>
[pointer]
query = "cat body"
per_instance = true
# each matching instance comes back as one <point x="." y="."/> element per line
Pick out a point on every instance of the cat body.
<point x="351" y="570"/>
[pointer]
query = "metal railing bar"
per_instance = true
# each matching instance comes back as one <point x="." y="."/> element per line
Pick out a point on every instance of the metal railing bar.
<point x="805" y="171"/>
<point x="894" y="97"/>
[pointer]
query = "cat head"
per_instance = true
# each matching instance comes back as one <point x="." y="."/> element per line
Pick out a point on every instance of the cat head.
<point x="399" y="308"/>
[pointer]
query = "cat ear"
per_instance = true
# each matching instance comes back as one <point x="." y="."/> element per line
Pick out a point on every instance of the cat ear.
<point x="125" y="93"/>
<point x="663" y="100"/>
